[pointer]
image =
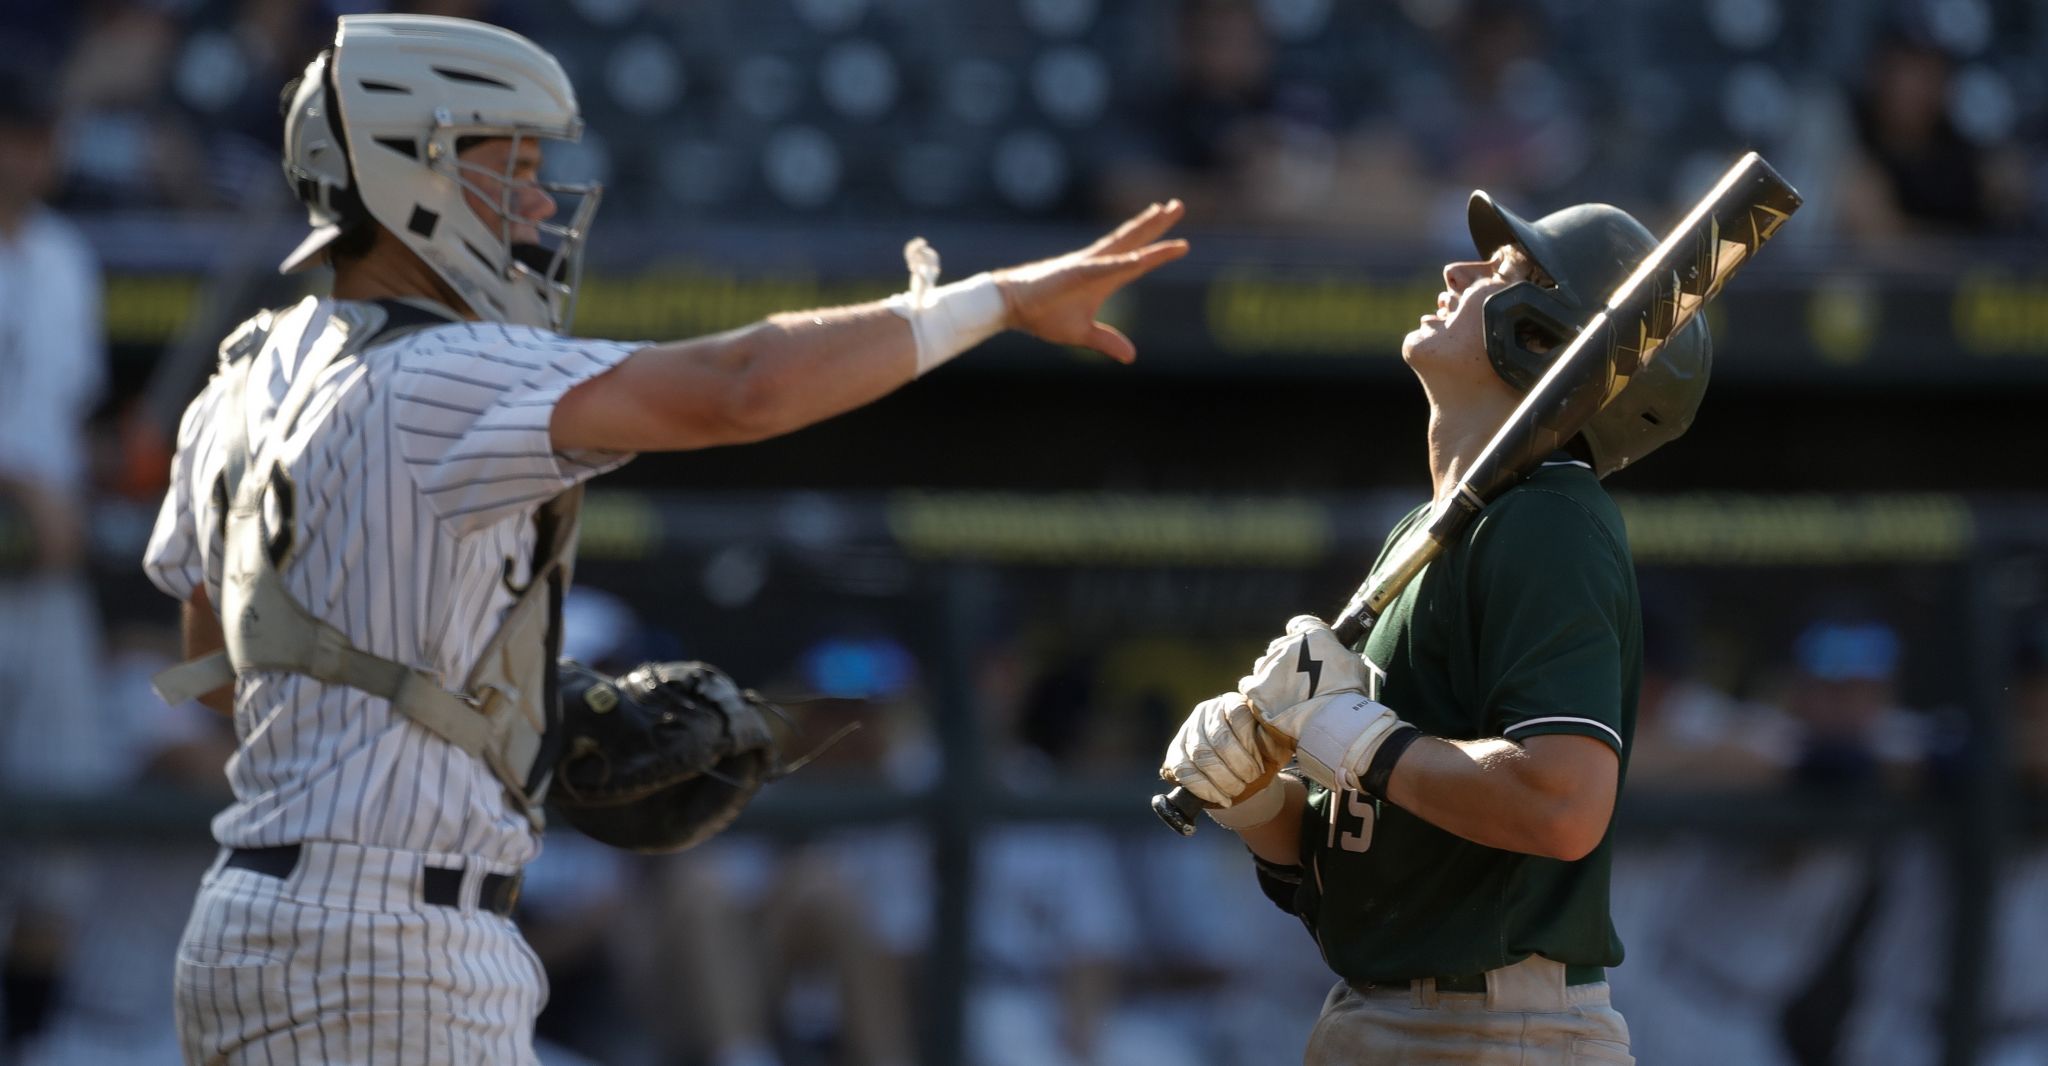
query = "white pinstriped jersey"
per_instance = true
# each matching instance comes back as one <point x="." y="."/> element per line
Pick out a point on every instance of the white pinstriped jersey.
<point x="418" y="464"/>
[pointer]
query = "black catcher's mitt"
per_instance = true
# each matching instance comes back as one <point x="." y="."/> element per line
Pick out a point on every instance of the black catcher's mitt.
<point x="661" y="757"/>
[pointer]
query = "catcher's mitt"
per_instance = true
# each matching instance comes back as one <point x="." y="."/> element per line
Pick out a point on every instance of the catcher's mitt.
<point x="661" y="757"/>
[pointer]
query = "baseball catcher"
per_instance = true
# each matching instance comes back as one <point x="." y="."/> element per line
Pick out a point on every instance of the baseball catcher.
<point x="372" y="520"/>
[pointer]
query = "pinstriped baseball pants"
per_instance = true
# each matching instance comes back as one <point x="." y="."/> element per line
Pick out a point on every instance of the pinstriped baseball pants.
<point x="341" y="962"/>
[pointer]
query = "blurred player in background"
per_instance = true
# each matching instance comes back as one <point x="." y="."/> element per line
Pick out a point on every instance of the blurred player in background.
<point x="1058" y="938"/>
<point x="378" y="489"/>
<point x="1905" y="991"/>
<point x="1449" y="847"/>
<point x="660" y="958"/>
<point x="52" y="368"/>
<point x="1760" y="951"/>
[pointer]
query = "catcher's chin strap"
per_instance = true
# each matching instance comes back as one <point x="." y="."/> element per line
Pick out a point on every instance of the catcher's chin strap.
<point x="505" y="706"/>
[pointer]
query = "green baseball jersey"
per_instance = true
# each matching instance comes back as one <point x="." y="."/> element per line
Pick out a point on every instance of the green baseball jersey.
<point x="1528" y="624"/>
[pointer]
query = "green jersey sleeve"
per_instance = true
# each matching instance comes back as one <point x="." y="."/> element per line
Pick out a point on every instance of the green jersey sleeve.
<point x="1549" y="590"/>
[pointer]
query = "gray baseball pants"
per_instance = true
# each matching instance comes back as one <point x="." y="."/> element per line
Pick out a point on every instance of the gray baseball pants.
<point x="1527" y="1016"/>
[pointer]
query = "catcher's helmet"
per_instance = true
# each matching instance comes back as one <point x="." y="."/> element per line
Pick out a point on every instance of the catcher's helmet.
<point x="371" y="134"/>
<point x="1589" y="250"/>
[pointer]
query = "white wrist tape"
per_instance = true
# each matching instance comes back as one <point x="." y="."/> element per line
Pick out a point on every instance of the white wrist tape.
<point x="1254" y="810"/>
<point x="946" y="319"/>
<point x="1338" y="735"/>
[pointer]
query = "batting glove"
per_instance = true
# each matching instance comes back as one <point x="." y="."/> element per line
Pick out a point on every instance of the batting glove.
<point x="1308" y="661"/>
<point x="1339" y="738"/>
<point x="1218" y="753"/>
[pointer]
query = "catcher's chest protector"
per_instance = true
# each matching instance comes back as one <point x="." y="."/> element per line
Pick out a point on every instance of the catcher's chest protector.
<point x="506" y="704"/>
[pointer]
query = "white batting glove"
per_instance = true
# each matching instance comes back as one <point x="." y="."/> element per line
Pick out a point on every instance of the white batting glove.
<point x="1336" y="737"/>
<point x="1308" y="661"/>
<point x="1255" y="810"/>
<point x="1218" y="752"/>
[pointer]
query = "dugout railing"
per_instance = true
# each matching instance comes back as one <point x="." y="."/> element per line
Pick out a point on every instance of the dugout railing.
<point x="750" y="579"/>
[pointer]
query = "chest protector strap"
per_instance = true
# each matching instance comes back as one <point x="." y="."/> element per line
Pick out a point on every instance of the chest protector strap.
<point x="506" y="706"/>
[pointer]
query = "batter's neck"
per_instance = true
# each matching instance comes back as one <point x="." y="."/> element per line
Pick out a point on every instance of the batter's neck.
<point x="1455" y="441"/>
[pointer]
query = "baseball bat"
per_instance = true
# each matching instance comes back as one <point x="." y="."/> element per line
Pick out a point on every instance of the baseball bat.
<point x="1716" y="238"/>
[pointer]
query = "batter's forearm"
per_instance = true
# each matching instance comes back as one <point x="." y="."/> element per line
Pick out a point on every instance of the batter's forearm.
<point x="1278" y="841"/>
<point x="1497" y="793"/>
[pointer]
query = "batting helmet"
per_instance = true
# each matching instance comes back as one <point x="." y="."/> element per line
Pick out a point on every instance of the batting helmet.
<point x="372" y="131"/>
<point x="1588" y="251"/>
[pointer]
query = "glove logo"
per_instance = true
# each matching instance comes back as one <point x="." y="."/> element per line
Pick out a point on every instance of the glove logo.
<point x="1309" y="665"/>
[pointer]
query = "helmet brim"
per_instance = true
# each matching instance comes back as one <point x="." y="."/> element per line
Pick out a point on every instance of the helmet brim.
<point x="1493" y="225"/>
<point x="307" y="254"/>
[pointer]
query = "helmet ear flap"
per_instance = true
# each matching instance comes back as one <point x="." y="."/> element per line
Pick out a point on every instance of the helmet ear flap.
<point x="343" y="200"/>
<point x="1512" y="315"/>
<point x="317" y="161"/>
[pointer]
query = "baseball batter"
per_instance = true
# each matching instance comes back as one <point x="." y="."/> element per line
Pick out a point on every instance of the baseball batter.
<point x="372" y="517"/>
<point x="1444" y="835"/>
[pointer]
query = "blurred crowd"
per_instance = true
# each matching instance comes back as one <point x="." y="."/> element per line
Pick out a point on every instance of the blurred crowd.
<point x="1091" y="942"/>
<point x="1896" y="117"/>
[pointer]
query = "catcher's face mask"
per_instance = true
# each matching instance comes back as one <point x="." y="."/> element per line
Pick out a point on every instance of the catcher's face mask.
<point x="500" y="181"/>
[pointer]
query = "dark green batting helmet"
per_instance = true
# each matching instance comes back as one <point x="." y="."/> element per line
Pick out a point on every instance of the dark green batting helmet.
<point x="1588" y="250"/>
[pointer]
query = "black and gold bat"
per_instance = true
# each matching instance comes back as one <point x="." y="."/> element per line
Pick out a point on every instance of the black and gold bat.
<point x="1721" y="234"/>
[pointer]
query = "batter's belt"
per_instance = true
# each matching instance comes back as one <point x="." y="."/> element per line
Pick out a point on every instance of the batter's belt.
<point x="1574" y="974"/>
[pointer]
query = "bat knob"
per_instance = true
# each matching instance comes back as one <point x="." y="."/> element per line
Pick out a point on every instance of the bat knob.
<point x="1178" y="809"/>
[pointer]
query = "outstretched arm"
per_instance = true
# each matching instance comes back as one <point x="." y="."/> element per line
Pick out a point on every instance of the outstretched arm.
<point x="796" y="369"/>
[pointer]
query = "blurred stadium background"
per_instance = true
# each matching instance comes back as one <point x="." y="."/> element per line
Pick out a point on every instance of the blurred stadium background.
<point x="1018" y="573"/>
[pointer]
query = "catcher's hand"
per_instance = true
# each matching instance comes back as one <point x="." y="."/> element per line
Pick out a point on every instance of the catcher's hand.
<point x="661" y="757"/>
<point x="1057" y="299"/>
